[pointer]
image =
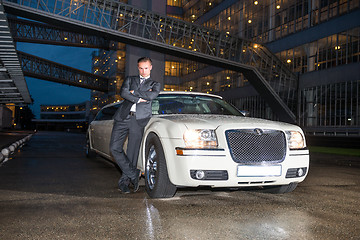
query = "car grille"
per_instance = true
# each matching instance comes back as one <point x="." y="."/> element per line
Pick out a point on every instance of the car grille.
<point x="255" y="146"/>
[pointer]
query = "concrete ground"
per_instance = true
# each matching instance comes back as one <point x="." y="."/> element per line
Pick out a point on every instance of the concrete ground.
<point x="50" y="190"/>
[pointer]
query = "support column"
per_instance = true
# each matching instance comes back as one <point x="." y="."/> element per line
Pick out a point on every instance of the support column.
<point x="310" y="49"/>
<point x="272" y="8"/>
<point x="134" y="53"/>
<point x="311" y="108"/>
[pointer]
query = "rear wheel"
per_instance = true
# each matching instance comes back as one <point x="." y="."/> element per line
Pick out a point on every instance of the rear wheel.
<point x="89" y="153"/>
<point x="280" y="189"/>
<point x="157" y="181"/>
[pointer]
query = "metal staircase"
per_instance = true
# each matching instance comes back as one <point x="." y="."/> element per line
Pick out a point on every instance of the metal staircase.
<point x="124" y="23"/>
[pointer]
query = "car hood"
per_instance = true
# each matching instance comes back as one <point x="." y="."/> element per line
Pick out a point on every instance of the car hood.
<point x="201" y="121"/>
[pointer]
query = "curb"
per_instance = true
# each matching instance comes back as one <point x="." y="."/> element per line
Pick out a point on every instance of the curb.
<point x="8" y="151"/>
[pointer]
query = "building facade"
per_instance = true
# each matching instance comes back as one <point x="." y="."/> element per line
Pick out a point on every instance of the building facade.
<point x="71" y="117"/>
<point x="316" y="39"/>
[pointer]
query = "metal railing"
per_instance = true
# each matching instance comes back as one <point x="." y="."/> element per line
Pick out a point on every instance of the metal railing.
<point x="41" y="68"/>
<point x="30" y="31"/>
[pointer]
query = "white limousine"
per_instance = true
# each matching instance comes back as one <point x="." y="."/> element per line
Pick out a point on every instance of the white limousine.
<point x="196" y="139"/>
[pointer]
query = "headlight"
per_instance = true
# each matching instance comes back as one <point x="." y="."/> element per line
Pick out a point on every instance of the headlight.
<point x="200" y="138"/>
<point x="295" y="140"/>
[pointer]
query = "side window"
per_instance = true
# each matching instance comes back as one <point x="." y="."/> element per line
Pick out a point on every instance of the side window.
<point x="107" y="113"/>
<point x="155" y="107"/>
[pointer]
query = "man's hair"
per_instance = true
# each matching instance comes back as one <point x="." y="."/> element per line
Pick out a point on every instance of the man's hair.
<point x="144" y="59"/>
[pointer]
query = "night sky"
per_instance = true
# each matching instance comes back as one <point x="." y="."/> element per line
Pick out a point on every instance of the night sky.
<point x="51" y="93"/>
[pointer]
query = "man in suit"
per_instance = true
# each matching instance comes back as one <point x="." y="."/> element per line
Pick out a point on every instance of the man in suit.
<point x="129" y="121"/>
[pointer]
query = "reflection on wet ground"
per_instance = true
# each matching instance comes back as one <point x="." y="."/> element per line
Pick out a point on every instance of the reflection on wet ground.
<point x="49" y="190"/>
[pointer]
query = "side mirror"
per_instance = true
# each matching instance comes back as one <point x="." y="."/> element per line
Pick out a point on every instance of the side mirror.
<point x="245" y="113"/>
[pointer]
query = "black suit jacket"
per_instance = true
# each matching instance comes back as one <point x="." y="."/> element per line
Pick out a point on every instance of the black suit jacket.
<point x="148" y="90"/>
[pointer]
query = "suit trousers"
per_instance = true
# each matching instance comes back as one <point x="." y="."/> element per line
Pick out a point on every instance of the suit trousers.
<point x="127" y="162"/>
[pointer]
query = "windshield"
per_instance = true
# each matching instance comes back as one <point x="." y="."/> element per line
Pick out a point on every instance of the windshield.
<point x="191" y="104"/>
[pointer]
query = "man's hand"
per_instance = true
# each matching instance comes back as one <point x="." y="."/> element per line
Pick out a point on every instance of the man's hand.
<point x="142" y="100"/>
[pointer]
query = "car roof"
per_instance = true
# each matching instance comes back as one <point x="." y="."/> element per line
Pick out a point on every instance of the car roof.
<point x="189" y="93"/>
<point x="175" y="93"/>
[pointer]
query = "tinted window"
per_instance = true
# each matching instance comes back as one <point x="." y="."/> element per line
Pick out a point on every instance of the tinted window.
<point x="192" y="104"/>
<point x="107" y="113"/>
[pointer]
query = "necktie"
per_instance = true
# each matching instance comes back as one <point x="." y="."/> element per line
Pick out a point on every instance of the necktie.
<point x="142" y="79"/>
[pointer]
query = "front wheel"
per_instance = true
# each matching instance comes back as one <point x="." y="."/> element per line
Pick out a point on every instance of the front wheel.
<point x="157" y="182"/>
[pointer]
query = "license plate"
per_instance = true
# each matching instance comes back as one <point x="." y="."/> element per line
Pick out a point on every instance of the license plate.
<point x="259" y="171"/>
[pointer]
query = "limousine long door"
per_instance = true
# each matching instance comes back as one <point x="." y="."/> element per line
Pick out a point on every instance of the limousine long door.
<point x="102" y="127"/>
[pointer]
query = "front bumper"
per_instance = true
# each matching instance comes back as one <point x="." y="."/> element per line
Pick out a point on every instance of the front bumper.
<point x="219" y="170"/>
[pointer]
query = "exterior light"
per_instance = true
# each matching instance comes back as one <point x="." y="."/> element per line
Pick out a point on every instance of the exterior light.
<point x="278" y="7"/>
<point x="249" y="21"/>
<point x="200" y="174"/>
<point x="256" y="2"/>
<point x="256" y="46"/>
<point x="295" y="140"/>
<point x="229" y="18"/>
<point x="208" y="83"/>
<point x="301" y="172"/>
<point x="288" y="61"/>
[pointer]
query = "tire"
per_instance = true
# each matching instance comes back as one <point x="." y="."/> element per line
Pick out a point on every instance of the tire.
<point x="157" y="183"/>
<point x="280" y="189"/>
<point x="89" y="153"/>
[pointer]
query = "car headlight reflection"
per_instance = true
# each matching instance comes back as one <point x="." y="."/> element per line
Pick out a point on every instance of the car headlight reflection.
<point x="295" y="140"/>
<point x="200" y="138"/>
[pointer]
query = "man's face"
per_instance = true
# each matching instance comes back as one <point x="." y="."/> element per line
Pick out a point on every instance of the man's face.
<point x="144" y="68"/>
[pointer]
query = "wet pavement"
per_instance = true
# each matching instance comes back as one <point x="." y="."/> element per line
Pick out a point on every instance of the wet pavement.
<point x="50" y="190"/>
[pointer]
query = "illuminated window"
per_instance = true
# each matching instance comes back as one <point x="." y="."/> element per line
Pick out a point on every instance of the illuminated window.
<point x="175" y="3"/>
<point x="172" y="69"/>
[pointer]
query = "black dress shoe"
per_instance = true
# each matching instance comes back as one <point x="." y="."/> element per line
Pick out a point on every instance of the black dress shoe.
<point x="135" y="183"/>
<point x="123" y="188"/>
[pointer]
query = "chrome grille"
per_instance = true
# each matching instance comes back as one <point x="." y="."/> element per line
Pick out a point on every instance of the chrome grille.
<point x="253" y="146"/>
